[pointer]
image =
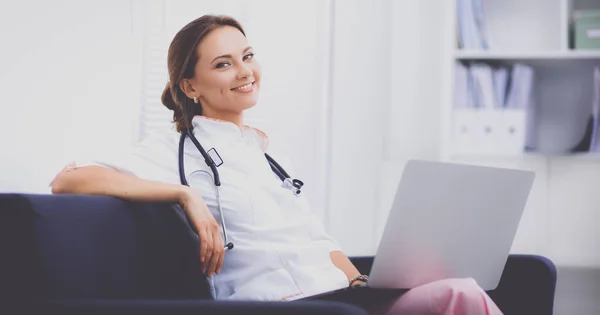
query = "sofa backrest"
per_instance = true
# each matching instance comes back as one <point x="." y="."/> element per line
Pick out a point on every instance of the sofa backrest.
<point x="81" y="246"/>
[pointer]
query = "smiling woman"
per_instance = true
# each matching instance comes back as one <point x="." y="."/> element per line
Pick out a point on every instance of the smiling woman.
<point x="282" y="251"/>
<point x="203" y="73"/>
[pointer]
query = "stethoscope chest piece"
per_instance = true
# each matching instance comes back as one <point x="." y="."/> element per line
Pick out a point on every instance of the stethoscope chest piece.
<point x="295" y="185"/>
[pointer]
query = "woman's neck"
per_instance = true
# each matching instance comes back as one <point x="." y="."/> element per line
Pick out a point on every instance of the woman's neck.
<point x="237" y="118"/>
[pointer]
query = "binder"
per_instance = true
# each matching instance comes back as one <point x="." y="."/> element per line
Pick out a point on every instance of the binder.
<point x="471" y="25"/>
<point x="500" y="84"/>
<point x="463" y="85"/>
<point x="521" y="87"/>
<point x="483" y="80"/>
<point x="488" y="117"/>
<point x="595" y="142"/>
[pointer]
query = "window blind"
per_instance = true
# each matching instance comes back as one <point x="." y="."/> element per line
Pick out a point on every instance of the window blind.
<point x="154" y="115"/>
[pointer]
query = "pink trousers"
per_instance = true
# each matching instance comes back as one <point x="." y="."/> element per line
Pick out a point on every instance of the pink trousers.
<point x="444" y="297"/>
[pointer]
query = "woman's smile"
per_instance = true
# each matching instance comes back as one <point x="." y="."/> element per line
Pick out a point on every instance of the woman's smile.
<point x="249" y="87"/>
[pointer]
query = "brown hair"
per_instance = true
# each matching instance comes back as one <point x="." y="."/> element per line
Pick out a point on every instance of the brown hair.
<point x="182" y="59"/>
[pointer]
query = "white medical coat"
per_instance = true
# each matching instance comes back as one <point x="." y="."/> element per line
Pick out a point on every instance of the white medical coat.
<point x="281" y="248"/>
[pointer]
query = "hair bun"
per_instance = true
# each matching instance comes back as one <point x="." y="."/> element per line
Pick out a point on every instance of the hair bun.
<point x="167" y="98"/>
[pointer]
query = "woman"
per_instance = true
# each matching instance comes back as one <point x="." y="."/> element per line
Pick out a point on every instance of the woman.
<point x="281" y="249"/>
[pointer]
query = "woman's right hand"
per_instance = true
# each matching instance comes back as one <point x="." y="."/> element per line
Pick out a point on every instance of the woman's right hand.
<point x="212" y="250"/>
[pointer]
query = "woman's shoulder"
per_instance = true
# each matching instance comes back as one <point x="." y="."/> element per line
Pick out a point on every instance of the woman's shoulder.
<point x="160" y="140"/>
<point x="154" y="157"/>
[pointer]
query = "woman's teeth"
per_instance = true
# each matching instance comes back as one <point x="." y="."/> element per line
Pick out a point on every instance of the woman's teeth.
<point x="243" y="87"/>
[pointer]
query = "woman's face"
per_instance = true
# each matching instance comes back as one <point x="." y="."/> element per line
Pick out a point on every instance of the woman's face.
<point x="227" y="77"/>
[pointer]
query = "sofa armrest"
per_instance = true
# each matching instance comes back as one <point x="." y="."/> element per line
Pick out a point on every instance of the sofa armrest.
<point x="83" y="246"/>
<point x="363" y="263"/>
<point x="527" y="284"/>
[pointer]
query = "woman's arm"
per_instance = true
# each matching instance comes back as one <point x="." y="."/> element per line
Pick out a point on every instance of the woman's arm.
<point x="97" y="180"/>
<point x="344" y="264"/>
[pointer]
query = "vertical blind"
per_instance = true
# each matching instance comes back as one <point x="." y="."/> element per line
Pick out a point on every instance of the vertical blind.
<point x="154" y="115"/>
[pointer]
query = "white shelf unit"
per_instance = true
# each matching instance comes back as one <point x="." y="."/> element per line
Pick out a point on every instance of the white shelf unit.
<point x="535" y="33"/>
<point x="561" y="216"/>
<point x="540" y="55"/>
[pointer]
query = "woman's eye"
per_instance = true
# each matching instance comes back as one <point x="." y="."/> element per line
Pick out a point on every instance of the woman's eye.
<point x="222" y="64"/>
<point x="248" y="56"/>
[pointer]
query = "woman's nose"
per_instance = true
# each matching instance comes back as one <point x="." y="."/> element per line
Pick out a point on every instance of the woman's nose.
<point x="244" y="71"/>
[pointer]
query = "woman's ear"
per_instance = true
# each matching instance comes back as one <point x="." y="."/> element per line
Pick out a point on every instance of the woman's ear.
<point x="188" y="89"/>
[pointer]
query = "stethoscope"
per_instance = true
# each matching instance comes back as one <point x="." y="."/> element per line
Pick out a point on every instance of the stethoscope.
<point x="295" y="185"/>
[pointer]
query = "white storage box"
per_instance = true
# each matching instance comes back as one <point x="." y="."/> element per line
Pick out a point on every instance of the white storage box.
<point x="489" y="131"/>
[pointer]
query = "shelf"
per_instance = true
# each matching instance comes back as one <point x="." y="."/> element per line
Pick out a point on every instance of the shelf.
<point x="530" y="156"/>
<point x="544" y="55"/>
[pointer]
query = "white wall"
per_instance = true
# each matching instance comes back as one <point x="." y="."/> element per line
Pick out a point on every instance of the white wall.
<point x="413" y="112"/>
<point x="360" y="97"/>
<point x="68" y="80"/>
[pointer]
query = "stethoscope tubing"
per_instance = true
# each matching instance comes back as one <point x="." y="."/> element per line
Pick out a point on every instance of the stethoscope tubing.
<point x="277" y="169"/>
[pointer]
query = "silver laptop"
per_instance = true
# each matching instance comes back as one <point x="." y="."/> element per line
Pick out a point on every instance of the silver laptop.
<point x="450" y="221"/>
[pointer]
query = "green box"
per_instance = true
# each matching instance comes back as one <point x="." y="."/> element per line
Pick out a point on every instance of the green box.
<point x="587" y="29"/>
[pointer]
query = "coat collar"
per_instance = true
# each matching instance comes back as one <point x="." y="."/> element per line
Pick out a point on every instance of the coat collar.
<point x="222" y="128"/>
